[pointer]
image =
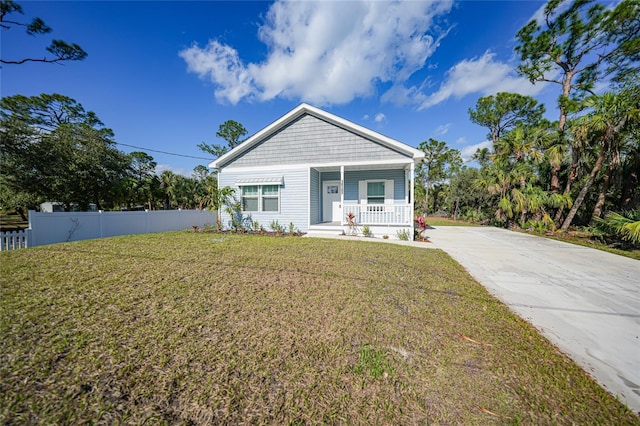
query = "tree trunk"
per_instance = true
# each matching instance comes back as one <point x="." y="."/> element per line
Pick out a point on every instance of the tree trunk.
<point x="555" y="170"/>
<point x="20" y="211"/>
<point x="585" y="189"/>
<point x="602" y="196"/>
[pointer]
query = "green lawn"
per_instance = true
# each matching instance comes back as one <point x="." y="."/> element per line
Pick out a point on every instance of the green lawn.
<point x="445" y="221"/>
<point x="198" y="328"/>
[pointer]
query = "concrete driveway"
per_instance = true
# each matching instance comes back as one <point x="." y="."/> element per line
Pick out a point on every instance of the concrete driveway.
<point x="585" y="301"/>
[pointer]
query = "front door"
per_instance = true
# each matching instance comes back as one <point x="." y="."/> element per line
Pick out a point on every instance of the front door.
<point x="331" y="208"/>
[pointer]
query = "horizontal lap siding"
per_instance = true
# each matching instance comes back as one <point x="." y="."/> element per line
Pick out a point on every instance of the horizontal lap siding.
<point x="294" y="203"/>
<point x="310" y="140"/>
<point x="351" y="179"/>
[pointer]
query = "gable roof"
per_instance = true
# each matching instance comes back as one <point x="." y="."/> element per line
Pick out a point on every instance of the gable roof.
<point x="303" y="109"/>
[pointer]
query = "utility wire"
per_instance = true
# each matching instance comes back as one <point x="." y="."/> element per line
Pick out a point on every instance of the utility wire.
<point x="164" y="152"/>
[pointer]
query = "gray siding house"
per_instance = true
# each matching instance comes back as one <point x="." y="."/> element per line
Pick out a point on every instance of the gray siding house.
<point x="312" y="168"/>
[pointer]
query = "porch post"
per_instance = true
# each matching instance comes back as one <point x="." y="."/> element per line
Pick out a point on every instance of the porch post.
<point x="412" y="197"/>
<point x="342" y="194"/>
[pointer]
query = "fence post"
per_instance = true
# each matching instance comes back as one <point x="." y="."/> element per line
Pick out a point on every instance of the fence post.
<point x="100" y="222"/>
<point x="148" y="213"/>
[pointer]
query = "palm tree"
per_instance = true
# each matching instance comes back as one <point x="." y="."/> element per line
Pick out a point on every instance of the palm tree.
<point x="602" y="127"/>
<point x="626" y="225"/>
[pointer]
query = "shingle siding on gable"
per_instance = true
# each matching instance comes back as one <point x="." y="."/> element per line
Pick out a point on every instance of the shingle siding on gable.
<point x="310" y="140"/>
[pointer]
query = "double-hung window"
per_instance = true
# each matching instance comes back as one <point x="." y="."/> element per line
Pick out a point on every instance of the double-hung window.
<point x="250" y="198"/>
<point x="260" y="198"/>
<point x="270" y="199"/>
<point x="375" y="192"/>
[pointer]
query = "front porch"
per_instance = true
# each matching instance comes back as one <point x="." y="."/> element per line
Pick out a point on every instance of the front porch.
<point x="376" y="196"/>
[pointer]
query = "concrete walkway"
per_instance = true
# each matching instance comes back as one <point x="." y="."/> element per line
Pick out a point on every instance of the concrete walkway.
<point x="585" y="301"/>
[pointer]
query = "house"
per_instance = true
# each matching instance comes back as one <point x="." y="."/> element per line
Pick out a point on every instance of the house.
<point x="311" y="169"/>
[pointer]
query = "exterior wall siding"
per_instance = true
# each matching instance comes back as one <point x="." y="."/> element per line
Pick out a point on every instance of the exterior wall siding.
<point x="310" y="140"/>
<point x="314" y="194"/>
<point x="294" y="206"/>
<point x="351" y="179"/>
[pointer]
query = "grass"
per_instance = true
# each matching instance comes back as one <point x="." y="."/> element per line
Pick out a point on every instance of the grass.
<point x="588" y="239"/>
<point x="445" y="221"/>
<point x="200" y="328"/>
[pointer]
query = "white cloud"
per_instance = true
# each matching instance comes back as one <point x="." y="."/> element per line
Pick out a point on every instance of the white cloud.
<point x="177" y="170"/>
<point x="539" y="15"/>
<point x="481" y="75"/>
<point x="379" y="118"/>
<point x="467" y="152"/>
<point x="461" y="140"/>
<point x="325" y="52"/>
<point x="442" y="129"/>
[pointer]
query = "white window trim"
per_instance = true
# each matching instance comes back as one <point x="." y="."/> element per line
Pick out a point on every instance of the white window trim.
<point x="389" y="196"/>
<point x="260" y="197"/>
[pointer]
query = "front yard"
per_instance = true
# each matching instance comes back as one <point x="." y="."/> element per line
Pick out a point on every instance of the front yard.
<point x="202" y="328"/>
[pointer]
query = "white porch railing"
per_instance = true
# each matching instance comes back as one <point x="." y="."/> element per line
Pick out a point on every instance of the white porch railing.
<point x="14" y="240"/>
<point x="380" y="214"/>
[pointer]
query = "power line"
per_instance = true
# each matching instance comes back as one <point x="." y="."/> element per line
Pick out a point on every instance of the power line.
<point x="164" y="152"/>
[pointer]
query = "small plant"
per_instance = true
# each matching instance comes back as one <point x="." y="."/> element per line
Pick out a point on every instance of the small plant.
<point x="351" y="224"/>
<point x="292" y="228"/>
<point x="366" y="231"/>
<point x="234" y="210"/>
<point x="422" y="226"/>
<point x="403" y="235"/>
<point x="385" y="237"/>
<point x="276" y="227"/>
<point x="255" y="225"/>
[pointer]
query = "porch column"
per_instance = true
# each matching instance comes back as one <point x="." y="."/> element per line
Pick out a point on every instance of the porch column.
<point x="412" y="197"/>
<point x="342" y="194"/>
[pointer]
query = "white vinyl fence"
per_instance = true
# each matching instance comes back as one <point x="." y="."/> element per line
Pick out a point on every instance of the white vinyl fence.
<point x="15" y="239"/>
<point x="57" y="227"/>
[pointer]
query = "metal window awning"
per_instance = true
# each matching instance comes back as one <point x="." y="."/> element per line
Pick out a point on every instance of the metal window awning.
<point x="279" y="180"/>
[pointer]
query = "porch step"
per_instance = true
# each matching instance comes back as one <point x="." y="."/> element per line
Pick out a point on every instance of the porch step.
<point x="325" y="230"/>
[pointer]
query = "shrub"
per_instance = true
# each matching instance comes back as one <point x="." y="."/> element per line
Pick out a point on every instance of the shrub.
<point x="403" y="235"/>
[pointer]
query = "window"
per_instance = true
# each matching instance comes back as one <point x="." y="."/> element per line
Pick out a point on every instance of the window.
<point x="270" y="198"/>
<point x="260" y="198"/>
<point x="250" y="198"/>
<point x="375" y="192"/>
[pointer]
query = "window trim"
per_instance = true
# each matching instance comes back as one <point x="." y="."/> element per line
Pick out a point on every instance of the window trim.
<point x="260" y="197"/>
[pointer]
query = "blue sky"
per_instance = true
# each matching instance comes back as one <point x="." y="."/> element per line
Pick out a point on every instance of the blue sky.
<point x="164" y="75"/>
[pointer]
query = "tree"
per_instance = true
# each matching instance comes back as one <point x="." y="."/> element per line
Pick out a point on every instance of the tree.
<point x="232" y="132"/>
<point x="437" y="166"/>
<point x="142" y="186"/>
<point x="52" y="149"/>
<point x="60" y="49"/>
<point x="574" y="48"/>
<point x="504" y="112"/>
<point x="610" y="115"/>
